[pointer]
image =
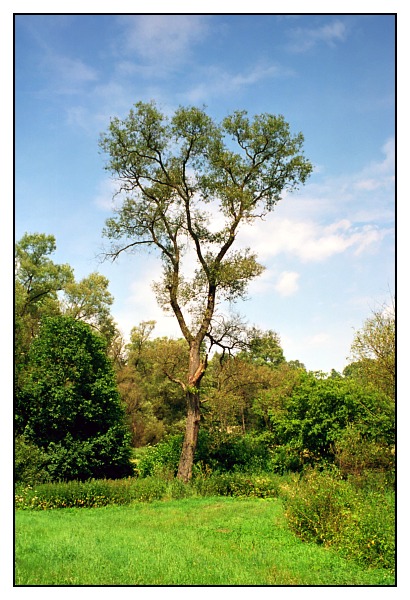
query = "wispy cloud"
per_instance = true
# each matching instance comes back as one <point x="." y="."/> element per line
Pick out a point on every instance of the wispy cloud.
<point x="162" y="40"/>
<point x="318" y="339"/>
<point x="216" y="81"/>
<point x="68" y="75"/>
<point x="304" y="39"/>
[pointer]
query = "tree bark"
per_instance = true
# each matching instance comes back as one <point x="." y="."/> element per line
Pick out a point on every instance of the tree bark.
<point x="196" y="371"/>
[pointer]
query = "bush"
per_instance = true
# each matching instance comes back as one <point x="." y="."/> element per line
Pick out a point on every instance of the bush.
<point x="69" y="406"/>
<point x="319" y="411"/>
<point x="161" y="458"/>
<point x="359" y="523"/>
<point x="30" y="463"/>
<point x="355" y="454"/>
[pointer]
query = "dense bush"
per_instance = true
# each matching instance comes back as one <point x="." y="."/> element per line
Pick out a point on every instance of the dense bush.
<point x="216" y="451"/>
<point x="355" y="454"/>
<point x="30" y="462"/>
<point x="357" y="521"/>
<point x="318" y="412"/>
<point x="161" y="457"/>
<point x="68" y="405"/>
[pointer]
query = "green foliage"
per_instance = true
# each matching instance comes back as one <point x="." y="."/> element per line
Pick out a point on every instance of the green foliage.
<point x="359" y="523"/>
<point x="154" y="403"/>
<point x="240" y="485"/>
<point x="94" y="493"/>
<point x="374" y="352"/>
<point x="69" y="405"/>
<point x="89" y="300"/>
<point x="320" y="409"/>
<point x="264" y="348"/>
<point x="30" y="462"/>
<point x="163" y="456"/>
<point x="355" y="454"/>
<point x="103" y="492"/>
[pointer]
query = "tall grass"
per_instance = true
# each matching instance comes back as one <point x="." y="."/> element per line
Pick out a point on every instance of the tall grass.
<point x="193" y="541"/>
<point x="97" y="493"/>
<point x="355" y="517"/>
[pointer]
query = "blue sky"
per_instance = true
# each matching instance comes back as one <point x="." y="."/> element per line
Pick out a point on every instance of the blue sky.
<point x="329" y="249"/>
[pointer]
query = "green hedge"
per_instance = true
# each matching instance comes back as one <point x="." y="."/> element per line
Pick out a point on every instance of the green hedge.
<point x="97" y="493"/>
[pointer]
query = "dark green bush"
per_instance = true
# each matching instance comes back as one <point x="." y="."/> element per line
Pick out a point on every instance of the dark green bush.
<point x="68" y="404"/>
<point x="30" y="463"/>
<point x="358" y="522"/>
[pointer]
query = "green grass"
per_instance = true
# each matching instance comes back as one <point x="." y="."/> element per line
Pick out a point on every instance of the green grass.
<point x="195" y="541"/>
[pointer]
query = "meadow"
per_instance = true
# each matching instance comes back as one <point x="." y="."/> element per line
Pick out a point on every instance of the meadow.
<point x="189" y="541"/>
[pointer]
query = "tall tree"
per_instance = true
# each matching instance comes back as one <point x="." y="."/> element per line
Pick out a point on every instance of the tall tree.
<point x="173" y="174"/>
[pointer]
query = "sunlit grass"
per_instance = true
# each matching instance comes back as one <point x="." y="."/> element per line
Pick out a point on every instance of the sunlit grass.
<point x="196" y="541"/>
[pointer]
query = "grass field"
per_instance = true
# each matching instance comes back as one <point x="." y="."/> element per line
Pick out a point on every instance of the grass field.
<point x="196" y="541"/>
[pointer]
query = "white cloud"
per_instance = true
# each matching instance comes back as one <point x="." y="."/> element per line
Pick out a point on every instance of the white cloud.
<point x="287" y="283"/>
<point x="308" y="241"/>
<point x="69" y="75"/>
<point x="379" y="174"/>
<point x="163" y="40"/>
<point x="304" y="39"/>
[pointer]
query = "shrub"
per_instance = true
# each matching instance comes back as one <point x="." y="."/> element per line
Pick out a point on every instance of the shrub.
<point x="162" y="457"/>
<point x="320" y="409"/>
<point x="355" y="454"/>
<point x="68" y="404"/>
<point x="359" y="523"/>
<point x="96" y="493"/>
<point x="30" y="463"/>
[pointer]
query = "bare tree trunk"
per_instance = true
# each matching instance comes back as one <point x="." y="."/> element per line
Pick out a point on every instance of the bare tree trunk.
<point x="196" y="370"/>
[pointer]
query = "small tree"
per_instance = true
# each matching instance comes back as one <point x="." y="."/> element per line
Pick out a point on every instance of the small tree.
<point x="374" y="352"/>
<point x="170" y="172"/>
<point x="69" y="404"/>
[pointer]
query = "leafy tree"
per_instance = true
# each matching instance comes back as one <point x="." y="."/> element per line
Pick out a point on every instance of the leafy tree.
<point x="36" y="274"/>
<point x="374" y="352"/>
<point x="263" y="348"/>
<point x="69" y="405"/>
<point x="147" y="384"/>
<point x="270" y="402"/>
<point x="320" y="409"/>
<point x="37" y="281"/>
<point x="170" y="172"/>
